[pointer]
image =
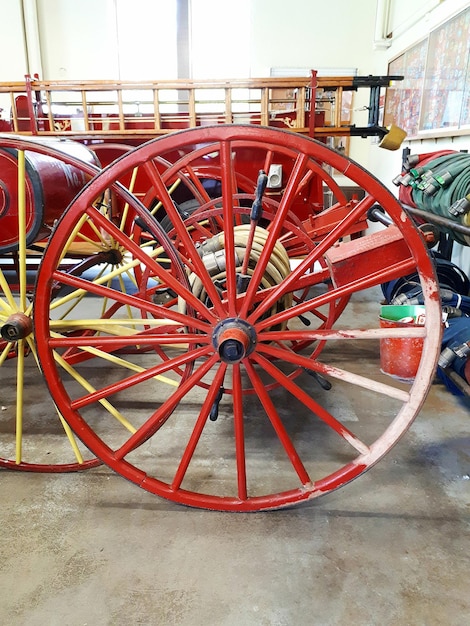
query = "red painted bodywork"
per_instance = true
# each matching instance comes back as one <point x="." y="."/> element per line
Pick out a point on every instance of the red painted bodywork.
<point x="50" y="186"/>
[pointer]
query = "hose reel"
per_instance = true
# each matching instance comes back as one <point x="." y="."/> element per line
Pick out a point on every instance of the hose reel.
<point x="212" y="252"/>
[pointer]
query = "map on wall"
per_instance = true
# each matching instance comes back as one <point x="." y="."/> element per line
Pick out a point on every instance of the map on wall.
<point x="446" y="74"/>
<point x="403" y="101"/>
<point x="434" y="97"/>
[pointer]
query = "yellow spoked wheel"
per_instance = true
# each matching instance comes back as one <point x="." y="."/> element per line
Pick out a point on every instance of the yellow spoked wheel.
<point x="32" y="437"/>
<point x="38" y="179"/>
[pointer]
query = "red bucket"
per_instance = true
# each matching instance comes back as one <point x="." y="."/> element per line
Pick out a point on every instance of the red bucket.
<point x="400" y="357"/>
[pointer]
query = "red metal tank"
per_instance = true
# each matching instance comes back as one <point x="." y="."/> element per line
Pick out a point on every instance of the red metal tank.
<point x="50" y="185"/>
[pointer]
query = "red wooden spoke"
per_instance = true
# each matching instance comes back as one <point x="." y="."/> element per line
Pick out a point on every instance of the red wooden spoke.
<point x="127" y="299"/>
<point x="112" y="343"/>
<point x="335" y="234"/>
<point x="136" y="379"/>
<point x="228" y="191"/>
<point x="294" y="235"/>
<point x="275" y="230"/>
<point x="271" y="149"/>
<point x="156" y="269"/>
<point x="199" y="426"/>
<point x="239" y="429"/>
<point x="277" y="424"/>
<point x="157" y="419"/>
<point x="269" y="337"/>
<point x="372" y="280"/>
<point x="311" y="404"/>
<point x="180" y="229"/>
<point x="192" y="178"/>
<point x="336" y="372"/>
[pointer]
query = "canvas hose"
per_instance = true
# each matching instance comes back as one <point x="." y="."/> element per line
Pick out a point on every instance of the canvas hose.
<point x="441" y="186"/>
<point x="212" y="253"/>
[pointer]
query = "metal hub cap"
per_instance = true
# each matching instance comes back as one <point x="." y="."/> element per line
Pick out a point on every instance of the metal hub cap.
<point x="234" y="339"/>
<point x="18" y="326"/>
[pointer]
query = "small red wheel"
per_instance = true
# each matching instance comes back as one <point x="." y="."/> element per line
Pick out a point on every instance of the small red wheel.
<point x="233" y="328"/>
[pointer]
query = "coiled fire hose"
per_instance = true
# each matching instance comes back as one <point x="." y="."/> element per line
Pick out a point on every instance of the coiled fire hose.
<point x="212" y="253"/>
<point x="439" y="184"/>
<point x="454" y="364"/>
<point x="454" y="287"/>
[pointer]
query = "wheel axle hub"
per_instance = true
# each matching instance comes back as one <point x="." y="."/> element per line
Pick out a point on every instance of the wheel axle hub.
<point x="18" y="326"/>
<point x="234" y="339"/>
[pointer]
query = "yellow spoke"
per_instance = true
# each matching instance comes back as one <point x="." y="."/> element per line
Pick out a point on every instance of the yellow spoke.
<point x="70" y="436"/>
<point x="97" y="281"/>
<point x="10" y="306"/>
<point x="22" y="227"/>
<point x="74" y="304"/>
<point x="124" y="268"/>
<point x="32" y="347"/>
<point x="78" y="299"/>
<point x="86" y="385"/>
<point x="87" y="239"/>
<point x="98" y="245"/>
<point x="126" y="206"/>
<point x="115" y="360"/>
<point x="123" y="289"/>
<point x="5" y="352"/>
<point x="96" y="230"/>
<point x="73" y="236"/>
<point x="8" y="295"/>
<point x="131" y="278"/>
<point x="68" y="431"/>
<point x="19" y="400"/>
<point x="104" y="306"/>
<point x="111" y="325"/>
<point x="170" y="191"/>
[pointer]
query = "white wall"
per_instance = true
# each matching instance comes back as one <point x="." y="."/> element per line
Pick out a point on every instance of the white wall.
<point x="77" y="38"/>
<point x="314" y="33"/>
<point x="145" y="39"/>
<point x="88" y="39"/>
<point x="221" y="39"/>
<point x="13" y="63"/>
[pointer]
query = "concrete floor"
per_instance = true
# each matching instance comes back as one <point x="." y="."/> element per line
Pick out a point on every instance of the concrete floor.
<point x="391" y="548"/>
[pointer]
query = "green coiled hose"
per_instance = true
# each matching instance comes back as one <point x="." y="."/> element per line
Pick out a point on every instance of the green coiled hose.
<point x="441" y="186"/>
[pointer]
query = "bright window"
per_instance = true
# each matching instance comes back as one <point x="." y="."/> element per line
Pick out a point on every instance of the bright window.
<point x="220" y="38"/>
<point x="146" y="32"/>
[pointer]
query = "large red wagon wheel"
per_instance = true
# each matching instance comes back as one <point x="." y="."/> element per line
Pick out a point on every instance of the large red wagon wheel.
<point x="208" y="441"/>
